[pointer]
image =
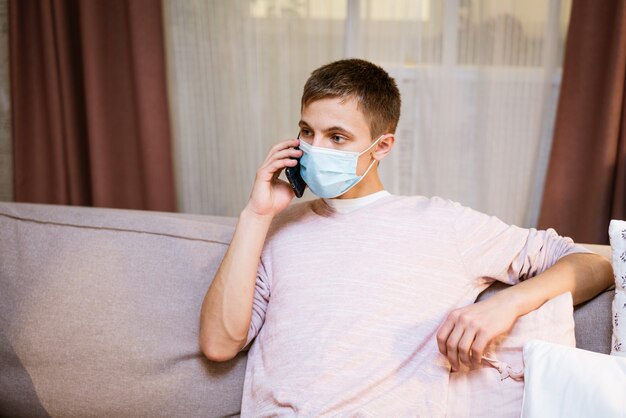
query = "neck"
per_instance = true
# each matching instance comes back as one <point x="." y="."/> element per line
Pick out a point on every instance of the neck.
<point x="370" y="184"/>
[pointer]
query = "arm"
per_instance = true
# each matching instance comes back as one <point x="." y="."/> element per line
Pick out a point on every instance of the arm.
<point x="227" y="307"/>
<point x="466" y="332"/>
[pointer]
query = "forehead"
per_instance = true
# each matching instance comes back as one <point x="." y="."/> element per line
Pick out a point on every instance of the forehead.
<point x="335" y="111"/>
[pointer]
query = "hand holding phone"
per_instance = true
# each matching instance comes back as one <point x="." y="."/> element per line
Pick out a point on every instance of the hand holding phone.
<point x="270" y="195"/>
<point x="295" y="179"/>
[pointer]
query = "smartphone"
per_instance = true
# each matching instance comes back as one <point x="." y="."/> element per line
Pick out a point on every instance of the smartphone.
<point x="295" y="179"/>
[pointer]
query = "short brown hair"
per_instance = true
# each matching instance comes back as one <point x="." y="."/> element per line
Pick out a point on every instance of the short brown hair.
<point x="375" y="91"/>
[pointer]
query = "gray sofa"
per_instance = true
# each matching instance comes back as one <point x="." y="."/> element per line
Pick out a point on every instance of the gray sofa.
<point x="99" y="314"/>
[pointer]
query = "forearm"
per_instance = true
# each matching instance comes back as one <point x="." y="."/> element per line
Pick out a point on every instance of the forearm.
<point x="227" y="307"/>
<point x="465" y="333"/>
<point x="584" y="275"/>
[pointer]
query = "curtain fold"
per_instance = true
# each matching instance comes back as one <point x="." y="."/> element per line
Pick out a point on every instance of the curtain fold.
<point x="89" y="100"/>
<point x="586" y="180"/>
<point x="6" y="153"/>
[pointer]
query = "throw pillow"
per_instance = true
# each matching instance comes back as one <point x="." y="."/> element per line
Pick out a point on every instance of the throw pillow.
<point x="617" y="235"/>
<point x="569" y="382"/>
<point x="498" y="392"/>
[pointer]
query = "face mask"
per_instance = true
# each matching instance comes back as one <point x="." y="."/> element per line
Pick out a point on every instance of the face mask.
<point x="328" y="172"/>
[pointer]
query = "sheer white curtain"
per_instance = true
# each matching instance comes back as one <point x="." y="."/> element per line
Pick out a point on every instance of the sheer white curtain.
<point x="479" y="82"/>
<point x="6" y="157"/>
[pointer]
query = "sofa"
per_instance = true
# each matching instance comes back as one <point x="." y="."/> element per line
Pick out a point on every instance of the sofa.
<point x="99" y="313"/>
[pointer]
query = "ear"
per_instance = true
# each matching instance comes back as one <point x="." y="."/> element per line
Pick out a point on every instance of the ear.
<point x="383" y="147"/>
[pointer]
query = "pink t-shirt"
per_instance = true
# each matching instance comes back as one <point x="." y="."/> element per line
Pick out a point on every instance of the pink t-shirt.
<point x="347" y="305"/>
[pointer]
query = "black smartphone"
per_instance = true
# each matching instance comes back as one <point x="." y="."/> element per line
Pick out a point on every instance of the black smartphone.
<point x="295" y="179"/>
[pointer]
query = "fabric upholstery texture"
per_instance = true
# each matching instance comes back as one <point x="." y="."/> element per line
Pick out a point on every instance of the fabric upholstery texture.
<point x="100" y="314"/>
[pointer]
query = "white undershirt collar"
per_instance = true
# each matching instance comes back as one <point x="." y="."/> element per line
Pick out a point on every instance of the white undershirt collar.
<point x="350" y="205"/>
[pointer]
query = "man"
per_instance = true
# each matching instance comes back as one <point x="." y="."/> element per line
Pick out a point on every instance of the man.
<point x="361" y="301"/>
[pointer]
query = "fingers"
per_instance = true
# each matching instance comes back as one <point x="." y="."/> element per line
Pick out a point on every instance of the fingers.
<point x="290" y="143"/>
<point x="286" y="153"/>
<point x="443" y="334"/>
<point x="478" y="349"/>
<point x="278" y="166"/>
<point x="462" y="340"/>
<point x="280" y="156"/>
<point x="274" y="168"/>
<point x="466" y="332"/>
<point x="464" y="347"/>
<point x="452" y="347"/>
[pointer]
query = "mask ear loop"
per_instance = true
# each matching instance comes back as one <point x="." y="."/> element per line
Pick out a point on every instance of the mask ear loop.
<point x="373" y="162"/>
<point x="366" y="171"/>
<point x="373" y="143"/>
<point x="371" y="165"/>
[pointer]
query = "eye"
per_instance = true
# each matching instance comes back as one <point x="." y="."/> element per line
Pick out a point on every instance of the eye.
<point x="337" y="139"/>
<point x="305" y="132"/>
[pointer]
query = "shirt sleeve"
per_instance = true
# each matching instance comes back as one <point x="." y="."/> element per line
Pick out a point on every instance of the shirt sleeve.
<point x="259" y="304"/>
<point x="493" y="249"/>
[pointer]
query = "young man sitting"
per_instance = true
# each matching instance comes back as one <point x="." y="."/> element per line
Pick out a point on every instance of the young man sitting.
<point x="361" y="301"/>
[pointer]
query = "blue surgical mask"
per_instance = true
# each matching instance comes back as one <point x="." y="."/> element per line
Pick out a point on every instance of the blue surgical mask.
<point x="329" y="172"/>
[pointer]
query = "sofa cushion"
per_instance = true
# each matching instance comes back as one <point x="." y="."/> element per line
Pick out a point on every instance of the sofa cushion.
<point x="490" y="392"/>
<point x="99" y="314"/>
<point x="592" y="318"/>
<point x="593" y="323"/>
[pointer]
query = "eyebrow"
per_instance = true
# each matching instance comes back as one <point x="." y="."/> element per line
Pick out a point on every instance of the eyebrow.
<point x="303" y="123"/>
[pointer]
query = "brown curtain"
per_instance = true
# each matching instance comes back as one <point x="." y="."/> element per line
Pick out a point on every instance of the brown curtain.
<point x="586" y="179"/>
<point x="89" y="102"/>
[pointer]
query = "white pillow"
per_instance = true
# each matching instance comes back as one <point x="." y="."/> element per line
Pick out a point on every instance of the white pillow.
<point x="569" y="382"/>
<point x="617" y="234"/>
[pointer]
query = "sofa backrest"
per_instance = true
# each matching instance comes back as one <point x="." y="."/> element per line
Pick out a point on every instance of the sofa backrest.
<point x="99" y="314"/>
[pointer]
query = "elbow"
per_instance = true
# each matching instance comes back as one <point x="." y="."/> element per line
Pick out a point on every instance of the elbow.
<point x="600" y="268"/>
<point x="216" y="355"/>
<point x="215" y="352"/>
<point x="594" y="276"/>
<point x="607" y="273"/>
